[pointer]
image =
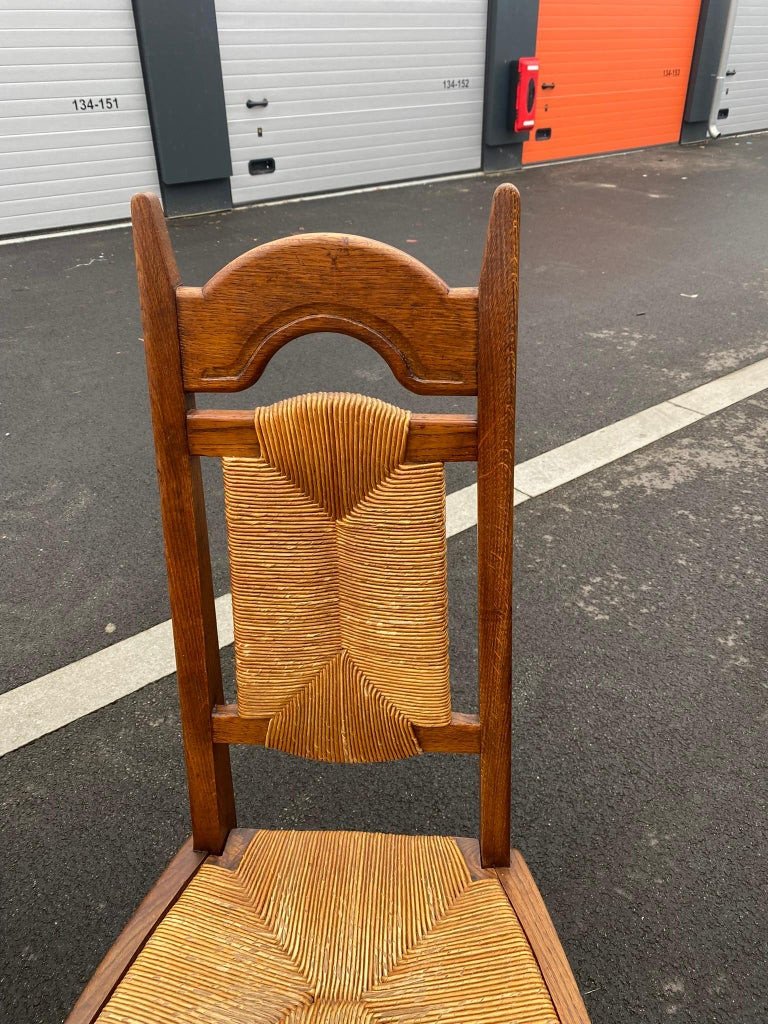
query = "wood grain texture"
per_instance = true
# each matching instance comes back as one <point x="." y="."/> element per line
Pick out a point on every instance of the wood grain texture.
<point x="432" y="437"/>
<point x="185" y="532"/>
<point x="497" y="341"/>
<point x="460" y="736"/>
<point x="470" y="851"/>
<point x="339" y="589"/>
<point x="150" y="912"/>
<point x="237" y="843"/>
<point x="526" y="901"/>
<point x="304" y="284"/>
<point x="310" y="927"/>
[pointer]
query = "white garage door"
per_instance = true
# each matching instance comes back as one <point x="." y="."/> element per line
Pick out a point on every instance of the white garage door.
<point x="745" y="93"/>
<point x="359" y="91"/>
<point x="75" y="141"/>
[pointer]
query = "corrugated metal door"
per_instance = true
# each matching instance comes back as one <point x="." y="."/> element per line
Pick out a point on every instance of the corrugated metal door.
<point x="359" y="92"/>
<point x="745" y="93"/>
<point x="75" y="141"/>
<point x="614" y="75"/>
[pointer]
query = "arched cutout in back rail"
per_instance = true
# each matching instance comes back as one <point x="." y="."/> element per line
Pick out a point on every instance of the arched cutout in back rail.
<point x="231" y="327"/>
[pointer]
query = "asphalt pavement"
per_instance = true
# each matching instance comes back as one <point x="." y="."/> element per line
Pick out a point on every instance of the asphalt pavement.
<point x="640" y="664"/>
<point x="612" y="250"/>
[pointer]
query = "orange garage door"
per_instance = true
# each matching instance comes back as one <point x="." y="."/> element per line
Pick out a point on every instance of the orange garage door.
<point x="614" y="75"/>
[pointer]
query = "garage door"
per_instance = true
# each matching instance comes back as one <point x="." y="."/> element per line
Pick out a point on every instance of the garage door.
<point x="74" y="129"/>
<point x="744" y="100"/>
<point x="359" y="91"/>
<point x="614" y="75"/>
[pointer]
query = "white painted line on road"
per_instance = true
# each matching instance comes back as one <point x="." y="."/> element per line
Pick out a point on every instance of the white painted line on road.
<point x="461" y="508"/>
<point x="75" y="690"/>
<point x="585" y="454"/>
<point x="69" y="693"/>
<point x="724" y="391"/>
<point x="54" y="700"/>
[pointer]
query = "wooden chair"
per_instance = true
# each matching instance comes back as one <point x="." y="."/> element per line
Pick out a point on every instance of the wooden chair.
<point x="335" y="510"/>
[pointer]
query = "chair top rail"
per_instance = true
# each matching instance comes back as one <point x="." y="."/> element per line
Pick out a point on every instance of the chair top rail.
<point x="231" y="327"/>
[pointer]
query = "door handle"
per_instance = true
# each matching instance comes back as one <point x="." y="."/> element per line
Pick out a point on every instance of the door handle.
<point x="547" y="85"/>
<point x="256" y="103"/>
<point x="730" y="72"/>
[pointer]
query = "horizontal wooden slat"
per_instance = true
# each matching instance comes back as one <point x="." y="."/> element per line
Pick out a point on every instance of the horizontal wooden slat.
<point x="222" y="432"/>
<point x="461" y="736"/>
<point x="442" y="438"/>
<point x="229" y="727"/>
<point x="431" y="437"/>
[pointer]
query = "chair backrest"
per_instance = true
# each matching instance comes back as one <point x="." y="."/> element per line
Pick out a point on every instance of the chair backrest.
<point x="335" y="506"/>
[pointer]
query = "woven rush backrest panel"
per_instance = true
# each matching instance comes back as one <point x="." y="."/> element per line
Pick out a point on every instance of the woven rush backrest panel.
<point x="338" y="563"/>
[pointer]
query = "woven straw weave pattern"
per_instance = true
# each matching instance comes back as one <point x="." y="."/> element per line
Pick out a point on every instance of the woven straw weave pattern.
<point x="337" y="928"/>
<point x="338" y="565"/>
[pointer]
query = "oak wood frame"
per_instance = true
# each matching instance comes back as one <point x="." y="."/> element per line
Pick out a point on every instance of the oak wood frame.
<point x="437" y="340"/>
<point x="185" y="532"/>
<point x="183" y="434"/>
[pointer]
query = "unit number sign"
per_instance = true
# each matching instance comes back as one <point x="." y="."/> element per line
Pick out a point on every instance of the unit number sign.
<point x="96" y="103"/>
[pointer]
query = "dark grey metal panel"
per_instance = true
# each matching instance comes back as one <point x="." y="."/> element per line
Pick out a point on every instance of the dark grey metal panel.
<point x="512" y="28"/>
<point x="503" y="158"/>
<point x="706" y="57"/>
<point x="197" y="197"/>
<point x="179" y="47"/>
